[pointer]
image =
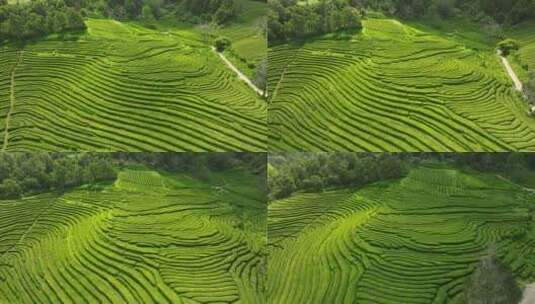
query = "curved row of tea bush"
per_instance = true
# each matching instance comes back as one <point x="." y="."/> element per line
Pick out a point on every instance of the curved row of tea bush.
<point x="124" y="87"/>
<point x="393" y="88"/>
<point x="414" y="240"/>
<point x="116" y="246"/>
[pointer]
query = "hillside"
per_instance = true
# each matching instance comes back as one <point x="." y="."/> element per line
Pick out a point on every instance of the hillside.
<point x="148" y="238"/>
<point x="124" y="86"/>
<point x="394" y="87"/>
<point x="413" y="240"/>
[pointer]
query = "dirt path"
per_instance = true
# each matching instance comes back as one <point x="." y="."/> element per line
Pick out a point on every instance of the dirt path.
<point x="511" y="72"/>
<point x="276" y="90"/>
<point x="240" y="74"/>
<point x="529" y="295"/>
<point x="510" y="181"/>
<point x="11" y="101"/>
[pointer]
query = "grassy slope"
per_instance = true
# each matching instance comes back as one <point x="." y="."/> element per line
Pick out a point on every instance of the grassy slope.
<point x="149" y="238"/>
<point x="395" y="87"/>
<point x="415" y="240"/>
<point x="249" y="45"/>
<point x="525" y="34"/>
<point x="122" y="86"/>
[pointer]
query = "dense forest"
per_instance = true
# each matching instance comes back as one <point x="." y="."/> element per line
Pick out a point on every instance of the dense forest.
<point x="37" y="18"/>
<point x="29" y="173"/>
<point x="31" y="19"/>
<point x="298" y="18"/>
<point x="315" y="172"/>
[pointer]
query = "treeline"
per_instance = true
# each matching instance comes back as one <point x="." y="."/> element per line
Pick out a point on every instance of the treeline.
<point x="37" y="18"/>
<point x="217" y="11"/>
<point x="302" y="18"/>
<point x="195" y="163"/>
<point x="200" y="165"/>
<point x="196" y="11"/>
<point x="298" y="19"/>
<point x="28" y="173"/>
<point x="288" y="173"/>
<point x="314" y="172"/>
<point x="502" y="11"/>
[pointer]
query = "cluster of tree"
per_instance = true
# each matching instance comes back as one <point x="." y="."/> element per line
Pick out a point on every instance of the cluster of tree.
<point x="216" y="11"/>
<point x="502" y="11"/>
<point x="190" y="162"/>
<point x="25" y="173"/>
<point x="37" y="18"/>
<point x="507" y="46"/>
<point x="121" y="9"/>
<point x="301" y="18"/>
<point x="28" y="173"/>
<point x="200" y="165"/>
<point x="298" y="19"/>
<point x="260" y="75"/>
<point x="492" y="282"/>
<point x="197" y="11"/>
<point x="529" y="88"/>
<point x="315" y="172"/>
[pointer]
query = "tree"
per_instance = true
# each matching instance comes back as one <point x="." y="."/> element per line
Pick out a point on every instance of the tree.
<point x="133" y="8"/>
<point x="146" y="12"/>
<point x="260" y="75"/>
<point x="74" y="20"/>
<point x="313" y="183"/>
<point x="529" y="88"/>
<point x="222" y="43"/>
<point x="10" y="188"/>
<point x="507" y="46"/>
<point x="492" y="282"/>
<point x="155" y="7"/>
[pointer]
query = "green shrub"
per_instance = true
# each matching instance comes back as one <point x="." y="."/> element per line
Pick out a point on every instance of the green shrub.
<point x="507" y="46"/>
<point x="222" y="43"/>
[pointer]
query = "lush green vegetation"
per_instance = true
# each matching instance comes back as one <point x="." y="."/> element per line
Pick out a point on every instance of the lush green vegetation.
<point x="131" y="82"/>
<point x="296" y="19"/>
<point x="25" y="174"/>
<point x="396" y="87"/>
<point x="149" y="237"/>
<point x="291" y="19"/>
<point x="313" y="172"/>
<point x="123" y="86"/>
<point x="39" y="18"/>
<point x="418" y="239"/>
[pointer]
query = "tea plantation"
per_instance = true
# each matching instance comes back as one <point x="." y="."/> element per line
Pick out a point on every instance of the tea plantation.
<point x="395" y="87"/>
<point x="148" y="238"/>
<point x="124" y="86"/>
<point x="414" y="240"/>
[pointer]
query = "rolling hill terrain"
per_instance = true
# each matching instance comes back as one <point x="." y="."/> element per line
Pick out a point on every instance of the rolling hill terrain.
<point x="123" y="86"/>
<point x="148" y="238"/>
<point x="413" y="240"/>
<point x="395" y="87"/>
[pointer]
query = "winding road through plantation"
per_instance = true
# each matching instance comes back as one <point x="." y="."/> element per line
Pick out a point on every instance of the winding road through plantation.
<point x="11" y="101"/>
<point x="511" y="72"/>
<point x="242" y="76"/>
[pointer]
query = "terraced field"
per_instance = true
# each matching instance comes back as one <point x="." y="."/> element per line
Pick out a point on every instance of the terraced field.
<point x="393" y="88"/>
<point x="188" y="244"/>
<point x="415" y="240"/>
<point x="524" y="33"/>
<point x="125" y="87"/>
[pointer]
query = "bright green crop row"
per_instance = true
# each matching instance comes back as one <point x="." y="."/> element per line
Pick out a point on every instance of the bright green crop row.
<point x="393" y="88"/>
<point x="124" y="87"/>
<point x="182" y="245"/>
<point x="397" y="243"/>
